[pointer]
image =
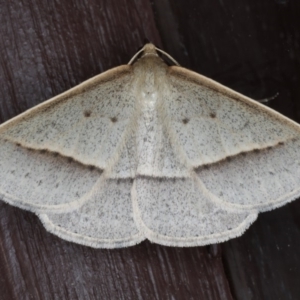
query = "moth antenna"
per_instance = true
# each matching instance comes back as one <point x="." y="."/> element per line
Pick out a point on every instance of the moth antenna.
<point x="158" y="50"/>
<point x="168" y="56"/>
<point x="135" y="56"/>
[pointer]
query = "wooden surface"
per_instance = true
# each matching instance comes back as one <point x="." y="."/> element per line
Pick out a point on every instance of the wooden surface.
<point x="49" y="46"/>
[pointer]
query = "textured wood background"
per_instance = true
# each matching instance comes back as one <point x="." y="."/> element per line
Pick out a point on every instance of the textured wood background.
<point x="48" y="47"/>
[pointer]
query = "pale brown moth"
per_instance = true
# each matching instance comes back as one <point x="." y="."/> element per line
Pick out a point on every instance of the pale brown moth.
<point x="149" y="151"/>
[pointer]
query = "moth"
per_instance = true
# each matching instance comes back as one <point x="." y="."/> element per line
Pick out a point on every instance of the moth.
<point x="149" y="151"/>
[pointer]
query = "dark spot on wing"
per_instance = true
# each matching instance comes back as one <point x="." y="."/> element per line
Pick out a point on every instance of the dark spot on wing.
<point x="70" y="160"/>
<point x="87" y="113"/>
<point x="212" y="115"/>
<point x="185" y="121"/>
<point x="114" y="119"/>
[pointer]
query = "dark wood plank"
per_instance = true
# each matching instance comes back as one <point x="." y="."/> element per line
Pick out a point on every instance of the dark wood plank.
<point x="264" y="262"/>
<point x="46" y="48"/>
